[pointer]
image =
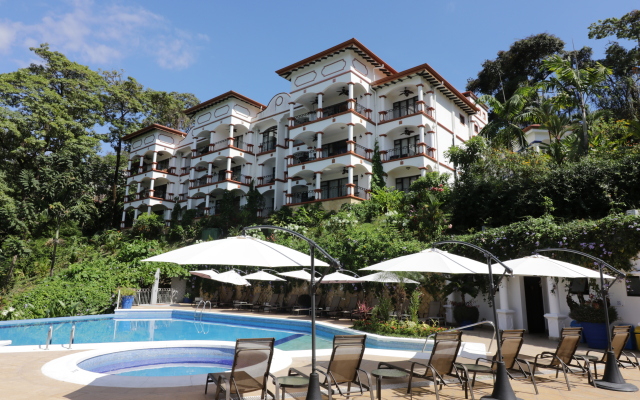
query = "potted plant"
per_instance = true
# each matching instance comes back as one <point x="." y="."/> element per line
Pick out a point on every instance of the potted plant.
<point x="127" y="296"/>
<point x="187" y="298"/>
<point x="465" y="313"/>
<point x="591" y="316"/>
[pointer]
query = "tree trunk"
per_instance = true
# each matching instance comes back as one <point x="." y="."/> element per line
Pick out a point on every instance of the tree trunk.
<point x="55" y="249"/>
<point x="585" y="131"/>
<point x="114" y="187"/>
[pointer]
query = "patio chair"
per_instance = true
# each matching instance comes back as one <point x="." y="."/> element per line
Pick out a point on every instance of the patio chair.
<point x="275" y="305"/>
<point x="434" y="315"/>
<point x="440" y="364"/>
<point x="511" y="341"/>
<point x="565" y="354"/>
<point x="303" y="304"/>
<point x="351" y="307"/>
<point x="250" y="370"/>
<point x="619" y="337"/>
<point x="262" y="305"/>
<point x="333" y="307"/>
<point x="344" y="368"/>
<point x="291" y="303"/>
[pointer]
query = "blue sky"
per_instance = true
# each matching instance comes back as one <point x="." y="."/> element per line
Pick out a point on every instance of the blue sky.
<point x="210" y="47"/>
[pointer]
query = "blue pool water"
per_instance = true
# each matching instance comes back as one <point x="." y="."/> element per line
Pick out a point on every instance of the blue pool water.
<point x="173" y="361"/>
<point x="104" y="330"/>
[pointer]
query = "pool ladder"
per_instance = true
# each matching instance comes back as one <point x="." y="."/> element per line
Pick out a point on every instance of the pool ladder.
<point x="50" y="336"/>
<point x="204" y="306"/>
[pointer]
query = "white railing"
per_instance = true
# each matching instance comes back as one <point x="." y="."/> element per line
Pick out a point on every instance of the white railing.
<point x="165" y="296"/>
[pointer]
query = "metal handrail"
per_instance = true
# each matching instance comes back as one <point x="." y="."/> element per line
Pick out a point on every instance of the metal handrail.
<point x="204" y="305"/>
<point x="463" y="327"/>
<point x="72" y="335"/>
<point x="118" y="301"/>
<point x="49" y="337"/>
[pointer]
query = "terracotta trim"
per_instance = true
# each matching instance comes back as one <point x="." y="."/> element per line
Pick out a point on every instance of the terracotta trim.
<point x="221" y="98"/>
<point x="152" y="127"/>
<point x="328" y="79"/>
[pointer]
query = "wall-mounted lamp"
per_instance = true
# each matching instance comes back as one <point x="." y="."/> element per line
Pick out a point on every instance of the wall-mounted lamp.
<point x="360" y="136"/>
<point x="407" y="167"/>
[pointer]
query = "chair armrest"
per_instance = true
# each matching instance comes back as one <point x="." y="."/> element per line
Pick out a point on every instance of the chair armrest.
<point x="386" y="365"/>
<point x="485" y="360"/>
<point x="596" y="351"/>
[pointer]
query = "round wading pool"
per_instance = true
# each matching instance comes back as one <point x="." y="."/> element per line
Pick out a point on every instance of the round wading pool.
<point x="172" y="361"/>
<point x="154" y="364"/>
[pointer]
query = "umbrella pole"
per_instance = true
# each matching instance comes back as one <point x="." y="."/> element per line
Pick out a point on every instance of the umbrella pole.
<point x="612" y="378"/>
<point x="313" y="391"/>
<point x="502" y="386"/>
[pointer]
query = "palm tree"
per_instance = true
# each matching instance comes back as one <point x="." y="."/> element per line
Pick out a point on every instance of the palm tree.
<point x="573" y="87"/>
<point x="504" y="130"/>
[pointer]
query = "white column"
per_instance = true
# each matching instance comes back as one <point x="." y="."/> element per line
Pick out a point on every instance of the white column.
<point x="350" y="188"/>
<point x="154" y="288"/>
<point x="151" y="185"/>
<point x="170" y="192"/>
<point x="211" y="140"/>
<point x="351" y="99"/>
<point x="289" y="179"/>
<point x="505" y="315"/>
<point x="319" y="144"/>
<point x="421" y="138"/>
<point x="154" y="161"/>
<point x="206" y="201"/>
<point x="420" y="98"/>
<point x="291" y="113"/>
<point x="141" y="163"/>
<point x="289" y="151"/>
<point x="318" y="191"/>
<point x="135" y="214"/>
<point x="180" y="163"/>
<point x="124" y="216"/>
<point x="149" y="210"/>
<point x="231" y="135"/>
<point x="129" y="167"/>
<point x="451" y="298"/>
<point x="194" y="147"/>
<point x="319" y="112"/>
<point x="210" y="172"/>
<point x="367" y="97"/>
<point x="350" y="140"/>
<point x="555" y="320"/>
<point x="126" y="191"/>
<point x="138" y="191"/>
<point x="228" y="174"/>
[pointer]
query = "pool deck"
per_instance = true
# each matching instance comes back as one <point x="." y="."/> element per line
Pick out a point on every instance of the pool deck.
<point x="21" y="376"/>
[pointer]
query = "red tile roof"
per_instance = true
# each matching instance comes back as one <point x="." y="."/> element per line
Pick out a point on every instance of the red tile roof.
<point x="222" y="98"/>
<point x="152" y="127"/>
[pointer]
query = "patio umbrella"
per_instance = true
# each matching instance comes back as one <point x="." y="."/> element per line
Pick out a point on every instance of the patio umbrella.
<point x="433" y="260"/>
<point x="385" y="277"/>
<point x="231" y="277"/>
<point x="538" y="265"/>
<point x="339" y="277"/>
<point x="207" y="274"/>
<point x="262" y="276"/>
<point x="238" y="250"/>
<point x="299" y="274"/>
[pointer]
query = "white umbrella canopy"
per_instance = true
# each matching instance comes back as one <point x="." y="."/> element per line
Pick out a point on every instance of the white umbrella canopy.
<point x="238" y="250"/>
<point x="207" y="274"/>
<point x="299" y="274"/>
<point x="262" y="276"/>
<point x="538" y="265"/>
<point x="433" y="260"/>
<point x="231" y="277"/>
<point x="385" y="277"/>
<point x="339" y="277"/>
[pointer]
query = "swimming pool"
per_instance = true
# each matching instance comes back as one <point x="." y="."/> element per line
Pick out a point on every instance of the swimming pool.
<point x="176" y="325"/>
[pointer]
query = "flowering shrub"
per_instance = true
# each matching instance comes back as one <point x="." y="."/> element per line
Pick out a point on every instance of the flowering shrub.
<point x="397" y="328"/>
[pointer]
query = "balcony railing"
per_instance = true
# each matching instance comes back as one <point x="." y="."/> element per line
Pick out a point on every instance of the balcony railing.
<point x="361" y="151"/>
<point x="304" y="118"/>
<point x="361" y="192"/>
<point x="143" y="194"/>
<point x="202" y="150"/>
<point x="327" y="193"/>
<point x="240" y="178"/>
<point x="182" y="196"/>
<point x="266" y="179"/>
<point x="399" y="112"/>
<point x="243" y="146"/>
<point x="163" y="166"/>
<point x="267" y="146"/>
<point x="327" y="111"/>
<point x="201" y="181"/>
<point x="304" y="156"/>
<point x="401" y="152"/>
<point x="301" y="197"/>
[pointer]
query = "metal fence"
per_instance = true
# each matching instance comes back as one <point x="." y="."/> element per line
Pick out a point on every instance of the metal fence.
<point x="165" y="296"/>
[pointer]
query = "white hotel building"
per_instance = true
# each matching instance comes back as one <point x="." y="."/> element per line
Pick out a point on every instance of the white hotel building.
<point x="311" y="144"/>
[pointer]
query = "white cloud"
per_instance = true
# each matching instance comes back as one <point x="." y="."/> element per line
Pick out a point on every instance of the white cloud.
<point x="101" y="33"/>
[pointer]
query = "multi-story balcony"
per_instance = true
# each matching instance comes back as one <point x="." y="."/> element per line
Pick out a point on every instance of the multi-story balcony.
<point x="266" y="146"/>
<point x="411" y="150"/>
<point x="327" y="193"/>
<point x="266" y="179"/>
<point x="327" y="112"/>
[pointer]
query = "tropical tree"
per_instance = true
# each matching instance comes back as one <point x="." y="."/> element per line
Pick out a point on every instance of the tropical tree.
<point x="506" y="122"/>
<point x="574" y="87"/>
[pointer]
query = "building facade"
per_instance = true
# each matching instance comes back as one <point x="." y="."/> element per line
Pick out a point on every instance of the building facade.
<point x="312" y="144"/>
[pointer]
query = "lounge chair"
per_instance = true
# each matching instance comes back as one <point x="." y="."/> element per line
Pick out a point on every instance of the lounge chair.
<point x="275" y="305"/>
<point x="344" y="368"/>
<point x="511" y="344"/>
<point x="291" y="303"/>
<point x="250" y="371"/>
<point x="263" y="305"/>
<point x="434" y="315"/>
<point x="565" y="354"/>
<point x="619" y="338"/>
<point x="440" y="364"/>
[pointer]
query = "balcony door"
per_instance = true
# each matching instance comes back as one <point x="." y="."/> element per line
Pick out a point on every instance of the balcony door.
<point x="404" y="184"/>
<point x="405" y="147"/>
<point x="405" y="107"/>
<point x="336" y="187"/>
<point x="334" y="148"/>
